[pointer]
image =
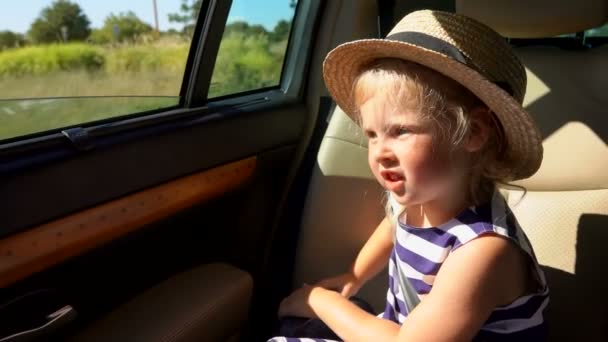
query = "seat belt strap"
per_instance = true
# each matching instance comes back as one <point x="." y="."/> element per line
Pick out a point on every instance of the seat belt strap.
<point x="410" y="295"/>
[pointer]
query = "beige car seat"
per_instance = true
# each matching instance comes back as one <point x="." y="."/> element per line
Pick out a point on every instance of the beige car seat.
<point x="564" y="211"/>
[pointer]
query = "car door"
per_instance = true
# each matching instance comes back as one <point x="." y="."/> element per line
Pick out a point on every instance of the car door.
<point x="131" y="152"/>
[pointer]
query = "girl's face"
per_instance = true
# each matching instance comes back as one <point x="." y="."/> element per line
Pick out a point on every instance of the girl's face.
<point x="405" y="156"/>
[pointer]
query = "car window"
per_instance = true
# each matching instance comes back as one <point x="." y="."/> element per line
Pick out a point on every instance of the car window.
<point x="253" y="46"/>
<point x="65" y="62"/>
<point x="601" y="31"/>
<point x="70" y="63"/>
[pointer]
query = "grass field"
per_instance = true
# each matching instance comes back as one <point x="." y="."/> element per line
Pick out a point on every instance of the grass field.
<point x="52" y="86"/>
<point x="46" y="87"/>
<point x="68" y="98"/>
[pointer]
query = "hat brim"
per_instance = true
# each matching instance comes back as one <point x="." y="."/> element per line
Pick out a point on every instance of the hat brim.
<point x="343" y="64"/>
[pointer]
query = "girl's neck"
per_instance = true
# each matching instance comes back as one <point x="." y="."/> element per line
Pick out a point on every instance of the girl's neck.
<point x="434" y="213"/>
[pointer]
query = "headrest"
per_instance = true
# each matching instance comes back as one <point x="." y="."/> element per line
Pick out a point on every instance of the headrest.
<point x="536" y="18"/>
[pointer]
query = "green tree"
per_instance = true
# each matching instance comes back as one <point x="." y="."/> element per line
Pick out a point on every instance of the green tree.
<point x="280" y="31"/>
<point x="189" y="13"/>
<point x="243" y="27"/>
<point x="120" y="28"/>
<point x="246" y="62"/>
<point x="10" y="39"/>
<point x="61" y="21"/>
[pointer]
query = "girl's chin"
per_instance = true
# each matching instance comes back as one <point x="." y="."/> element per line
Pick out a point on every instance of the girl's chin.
<point x="402" y="197"/>
<point x="396" y="187"/>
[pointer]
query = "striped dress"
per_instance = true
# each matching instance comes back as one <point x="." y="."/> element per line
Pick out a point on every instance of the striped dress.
<point x="420" y="253"/>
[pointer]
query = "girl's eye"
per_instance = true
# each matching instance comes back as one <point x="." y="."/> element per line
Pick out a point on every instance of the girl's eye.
<point x="400" y="131"/>
<point x="370" y="134"/>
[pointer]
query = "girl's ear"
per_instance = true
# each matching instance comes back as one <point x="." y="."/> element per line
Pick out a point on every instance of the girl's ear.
<point x="480" y="129"/>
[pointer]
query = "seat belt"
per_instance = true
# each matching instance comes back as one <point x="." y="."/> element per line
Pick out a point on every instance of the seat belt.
<point x="410" y="295"/>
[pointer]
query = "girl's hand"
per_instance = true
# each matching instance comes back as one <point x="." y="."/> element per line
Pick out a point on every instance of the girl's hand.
<point x="347" y="284"/>
<point x="297" y="303"/>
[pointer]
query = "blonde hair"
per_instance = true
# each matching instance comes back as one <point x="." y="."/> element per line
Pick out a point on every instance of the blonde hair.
<point x="446" y="106"/>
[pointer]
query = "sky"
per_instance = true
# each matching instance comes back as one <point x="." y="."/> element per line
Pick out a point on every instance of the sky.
<point x="21" y="13"/>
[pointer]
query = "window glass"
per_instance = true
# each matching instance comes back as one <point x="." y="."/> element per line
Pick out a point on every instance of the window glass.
<point x="68" y="62"/>
<point x="601" y="31"/>
<point x="253" y="46"/>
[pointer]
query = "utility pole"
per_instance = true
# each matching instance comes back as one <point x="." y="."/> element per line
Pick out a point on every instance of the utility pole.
<point x="155" y="16"/>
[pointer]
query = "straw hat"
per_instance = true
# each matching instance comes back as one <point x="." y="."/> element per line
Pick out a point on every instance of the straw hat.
<point x="463" y="49"/>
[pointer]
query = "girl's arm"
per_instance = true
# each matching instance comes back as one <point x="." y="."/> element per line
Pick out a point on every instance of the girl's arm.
<point x="476" y="278"/>
<point x="483" y="274"/>
<point x="372" y="258"/>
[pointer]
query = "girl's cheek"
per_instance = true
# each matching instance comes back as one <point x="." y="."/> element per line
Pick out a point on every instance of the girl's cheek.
<point x="438" y="170"/>
<point x="429" y="165"/>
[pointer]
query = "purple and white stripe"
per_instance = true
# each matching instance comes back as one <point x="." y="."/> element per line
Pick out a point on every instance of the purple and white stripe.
<point x="421" y="252"/>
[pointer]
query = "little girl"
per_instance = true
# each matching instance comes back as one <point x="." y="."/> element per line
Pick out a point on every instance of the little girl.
<point x="439" y="100"/>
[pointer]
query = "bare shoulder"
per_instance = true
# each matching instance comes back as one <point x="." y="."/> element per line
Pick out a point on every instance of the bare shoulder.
<point x="492" y="264"/>
<point x="481" y="275"/>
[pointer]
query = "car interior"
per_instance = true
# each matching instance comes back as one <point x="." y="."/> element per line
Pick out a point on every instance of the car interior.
<point x="194" y="225"/>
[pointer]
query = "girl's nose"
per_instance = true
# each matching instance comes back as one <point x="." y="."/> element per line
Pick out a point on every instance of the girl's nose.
<point x="383" y="154"/>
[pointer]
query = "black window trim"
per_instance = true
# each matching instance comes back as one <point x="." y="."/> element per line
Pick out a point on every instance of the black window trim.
<point x="216" y="16"/>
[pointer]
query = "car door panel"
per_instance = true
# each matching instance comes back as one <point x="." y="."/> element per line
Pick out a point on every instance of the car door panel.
<point x="178" y="204"/>
<point x="38" y="248"/>
<point x="91" y="177"/>
<point x="206" y="303"/>
<point x="112" y="259"/>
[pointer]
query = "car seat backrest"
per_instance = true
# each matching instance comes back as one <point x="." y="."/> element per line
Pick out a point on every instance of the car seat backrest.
<point x="565" y="209"/>
<point x="343" y="206"/>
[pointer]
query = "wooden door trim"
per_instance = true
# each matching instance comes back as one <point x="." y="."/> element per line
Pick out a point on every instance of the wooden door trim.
<point x="38" y="248"/>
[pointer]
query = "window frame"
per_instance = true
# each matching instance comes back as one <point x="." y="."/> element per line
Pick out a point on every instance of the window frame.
<point x="194" y="108"/>
<point x="295" y="65"/>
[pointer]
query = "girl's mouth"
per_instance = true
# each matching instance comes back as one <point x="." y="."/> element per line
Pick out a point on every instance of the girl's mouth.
<point x="391" y="176"/>
<point x="393" y="181"/>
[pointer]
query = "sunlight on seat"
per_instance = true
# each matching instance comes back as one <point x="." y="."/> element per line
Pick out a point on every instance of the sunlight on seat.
<point x="575" y="158"/>
<point x="536" y="88"/>
<point x="562" y="211"/>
